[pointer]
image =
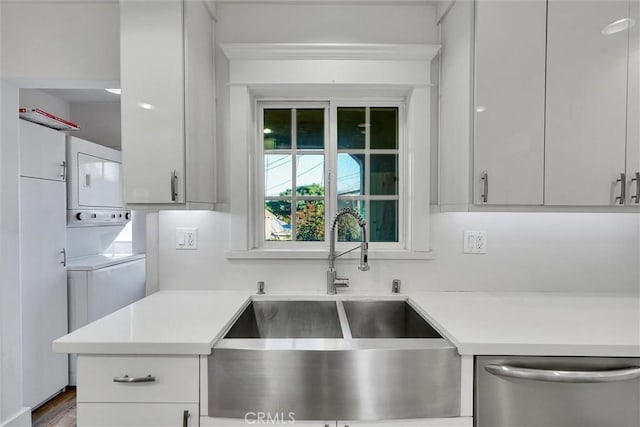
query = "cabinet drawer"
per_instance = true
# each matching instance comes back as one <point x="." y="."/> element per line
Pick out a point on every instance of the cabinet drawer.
<point x="176" y="379"/>
<point x="137" y="414"/>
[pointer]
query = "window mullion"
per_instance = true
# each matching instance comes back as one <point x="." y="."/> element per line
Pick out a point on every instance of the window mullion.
<point x="367" y="167"/>
<point x="294" y="172"/>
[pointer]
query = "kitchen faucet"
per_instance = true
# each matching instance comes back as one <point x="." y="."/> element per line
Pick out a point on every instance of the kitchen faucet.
<point x="333" y="281"/>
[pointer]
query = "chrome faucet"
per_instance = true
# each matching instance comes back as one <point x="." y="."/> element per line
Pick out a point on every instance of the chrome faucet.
<point x="333" y="281"/>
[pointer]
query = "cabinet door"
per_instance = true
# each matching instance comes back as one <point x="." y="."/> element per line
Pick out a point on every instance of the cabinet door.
<point x="509" y="102"/>
<point x="633" y="112"/>
<point x="44" y="287"/>
<point x="42" y="152"/>
<point x="137" y="415"/>
<point x="152" y="103"/>
<point x="586" y="102"/>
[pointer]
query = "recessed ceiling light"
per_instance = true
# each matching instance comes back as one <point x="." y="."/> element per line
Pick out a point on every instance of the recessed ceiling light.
<point x="145" y="106"/>
<point x="481" y="109"/>
<point x="267" y="131"/>
<point x="618" y="26"/>
<point x="116" y="91"/>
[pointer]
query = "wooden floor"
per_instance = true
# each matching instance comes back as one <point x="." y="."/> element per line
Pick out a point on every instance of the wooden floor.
<point x="58" y="412"/>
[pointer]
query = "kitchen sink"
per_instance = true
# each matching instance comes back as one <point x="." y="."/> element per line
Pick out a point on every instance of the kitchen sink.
<point x="333" y="359"/>
<point x="288" y="319"/>
<point x="386" y="319"/>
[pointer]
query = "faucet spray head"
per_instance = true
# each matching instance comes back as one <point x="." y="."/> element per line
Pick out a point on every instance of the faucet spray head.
<point x="364" y="257"/>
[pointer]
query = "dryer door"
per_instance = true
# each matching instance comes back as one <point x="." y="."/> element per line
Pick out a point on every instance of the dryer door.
<point x="99" y="183"/>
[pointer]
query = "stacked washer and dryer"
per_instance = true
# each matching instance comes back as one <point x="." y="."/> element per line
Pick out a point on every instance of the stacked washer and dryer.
<point x="99" y="282"/>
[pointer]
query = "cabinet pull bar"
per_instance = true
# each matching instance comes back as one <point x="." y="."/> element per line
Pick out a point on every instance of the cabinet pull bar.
<point x="174" y="185"/>
<point x="63" y="175"/>
<point x="484" y="197"/>
<point x="64" y="257"/>
<point x="185" y="419"/>
<point x="637" y="195"/>
<point x="623" y="189"/>
<point x="128" y="379"/>
<point x="556" y="376"/>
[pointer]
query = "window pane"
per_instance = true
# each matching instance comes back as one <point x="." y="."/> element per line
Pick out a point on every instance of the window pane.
<point x="348" y="228"/>
<point x="277" y="175"/>
<point x="277" y="129"/>
<point x="351" y="128"/>
<point x="310" y="175"/>
<point x="277" y="220"/>
<point x="384" y="128"/>
<point x="350" y="174"/>
<point x="310" y="220"/>
<point x="384" y="221"/>
<point x="310" y="129"/>
<point x="384" y="174"/>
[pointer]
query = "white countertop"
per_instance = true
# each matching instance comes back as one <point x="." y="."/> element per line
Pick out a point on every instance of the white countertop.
<point x="95" y="262"/>
<point x="190" y="322"/>
<point x="551" y="324"/>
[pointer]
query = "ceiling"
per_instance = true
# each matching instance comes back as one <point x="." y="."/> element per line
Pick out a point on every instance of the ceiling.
<point x="83" y="95"/>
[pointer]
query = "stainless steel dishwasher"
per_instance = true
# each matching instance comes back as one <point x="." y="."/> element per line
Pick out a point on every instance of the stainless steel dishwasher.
<point x="518" y="391"/>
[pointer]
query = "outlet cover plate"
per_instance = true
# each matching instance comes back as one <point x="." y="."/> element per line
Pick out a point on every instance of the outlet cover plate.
<point x="475" y="242"/>
<point x="186" y="238"/>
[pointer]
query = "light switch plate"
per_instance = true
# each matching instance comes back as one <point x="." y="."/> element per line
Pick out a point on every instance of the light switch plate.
<point x="475" y="242"/>
<point x="186" y="238"/>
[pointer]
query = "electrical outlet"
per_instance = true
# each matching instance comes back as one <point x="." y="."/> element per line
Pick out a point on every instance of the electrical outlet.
<point x="475" y="242"/>
<point x="186" y="238"/>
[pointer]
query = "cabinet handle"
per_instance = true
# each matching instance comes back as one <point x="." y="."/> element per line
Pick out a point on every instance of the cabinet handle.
<point x="63" y="175"/>
<point x="556" y="376"/>
<point x="127" y="379"/>
<point x="637" y="195"/>
<point x="623" y="188"/>
<point x="185" y="419"/>
<point x="174" y="185"/>
<point x="484" y="197"/>
<point x="64" y="257"/>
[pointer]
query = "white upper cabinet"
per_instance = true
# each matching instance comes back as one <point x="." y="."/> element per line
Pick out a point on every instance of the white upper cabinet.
<point x="509" y="102"/>
<point x="42" y="152"/>
<point x="633" y="112"/>
<point x="586" y="107"/>
<point x="167" y="76"/>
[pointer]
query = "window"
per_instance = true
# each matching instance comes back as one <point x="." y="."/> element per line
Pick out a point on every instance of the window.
<point x="318" y="158"/>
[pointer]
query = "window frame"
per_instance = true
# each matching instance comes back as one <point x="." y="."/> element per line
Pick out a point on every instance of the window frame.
<point x="330" y="106"/>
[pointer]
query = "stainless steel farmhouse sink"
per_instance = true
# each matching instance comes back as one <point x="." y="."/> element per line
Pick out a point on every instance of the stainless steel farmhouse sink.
<point x="337" y="359"/>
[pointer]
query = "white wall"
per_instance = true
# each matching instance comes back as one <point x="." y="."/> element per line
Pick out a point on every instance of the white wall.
<point x="99" y="122"/>
<point x="58" y="40"/>
<point x="34" y="98"/>
<point x="556" y="252"/>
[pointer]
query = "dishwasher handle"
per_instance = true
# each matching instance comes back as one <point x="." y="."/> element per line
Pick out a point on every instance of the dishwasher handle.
<point x="559" y="376"/>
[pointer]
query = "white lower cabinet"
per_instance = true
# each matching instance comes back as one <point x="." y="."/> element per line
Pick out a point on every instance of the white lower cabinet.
<point x="132" y="390"/>
<point x="137" y="414"/>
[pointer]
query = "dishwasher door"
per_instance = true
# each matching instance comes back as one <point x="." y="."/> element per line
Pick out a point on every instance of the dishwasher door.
<point x="516" y="391"/>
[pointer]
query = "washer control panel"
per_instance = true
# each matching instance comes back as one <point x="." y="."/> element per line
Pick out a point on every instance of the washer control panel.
<point x="83" y="218"/>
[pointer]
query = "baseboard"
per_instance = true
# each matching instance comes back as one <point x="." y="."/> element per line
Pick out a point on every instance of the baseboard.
<point x="21" y="419"/>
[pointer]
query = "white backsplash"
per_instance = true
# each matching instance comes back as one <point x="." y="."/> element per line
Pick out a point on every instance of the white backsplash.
<point x="556" y="252"/>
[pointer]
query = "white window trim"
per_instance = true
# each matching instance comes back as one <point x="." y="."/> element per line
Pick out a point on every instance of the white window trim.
<point x="316" y="72"/>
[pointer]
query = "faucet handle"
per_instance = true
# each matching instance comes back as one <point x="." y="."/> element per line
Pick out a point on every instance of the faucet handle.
<point x="341" y="283"/>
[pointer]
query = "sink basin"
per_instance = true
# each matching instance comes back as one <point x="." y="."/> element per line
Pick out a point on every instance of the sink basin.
<point x="334" y="359"/>
<point x="386" y="319"/>
<point x="288" y="319"/>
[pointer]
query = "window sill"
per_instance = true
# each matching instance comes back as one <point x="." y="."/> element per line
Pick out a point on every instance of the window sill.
<point x="289" y="254"/>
